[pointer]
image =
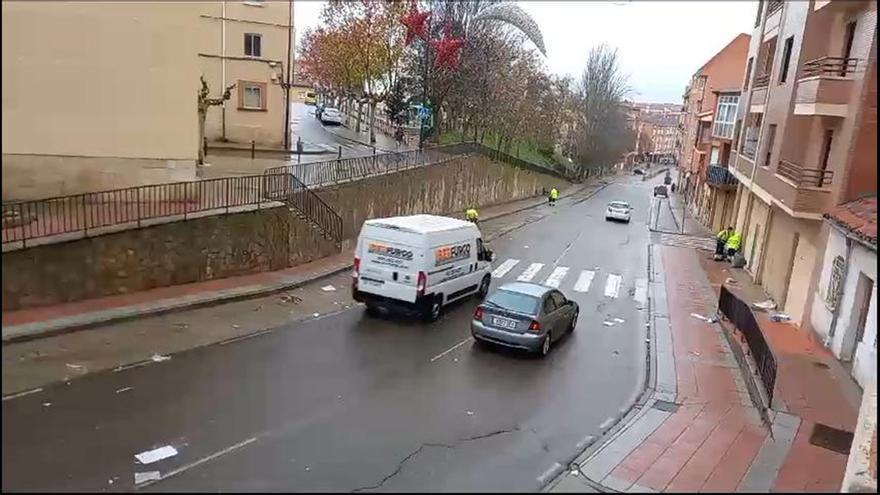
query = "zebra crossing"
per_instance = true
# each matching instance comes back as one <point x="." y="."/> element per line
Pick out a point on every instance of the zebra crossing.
<point x="567" y="278"/>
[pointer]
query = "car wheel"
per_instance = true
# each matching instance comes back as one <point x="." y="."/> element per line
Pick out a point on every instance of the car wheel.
<point x="483" y="291"/>
<point x="545" y="345"/>
<point x="574" y="321"/>
<point x="433" y="312"/>
<point x="372" y="310"/>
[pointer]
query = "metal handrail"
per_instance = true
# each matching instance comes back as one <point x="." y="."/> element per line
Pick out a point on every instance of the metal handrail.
<point x="830" y="66"/>
<point x="804" y="177"/>
<point x="743" y="319"/>
<point x="294" y="193"/>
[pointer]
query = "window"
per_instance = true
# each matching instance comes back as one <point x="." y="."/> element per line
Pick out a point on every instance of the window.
<point x="558" y="298"/>
<point x="827" y="140"/>
<point x="251" y="96"/>
<point x="549" y="305"/>
<point x="748" y="72"/>
<point x="771" y="136"/>
<point x="848" y="44"/>
<point x="253" y="44"/>
<point x="786" y="59"/>
<point x="725" y="116"/>
<point x="832" y="295"/>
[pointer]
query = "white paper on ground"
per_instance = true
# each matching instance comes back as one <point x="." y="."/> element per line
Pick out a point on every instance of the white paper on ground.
<point x="608" y="323"/>
<point x="768" y="304"/>
<point x="154" y="455"/>
<point x="328" y="288"/>
<point x="618" y="320"/>
<point x="144" y="477"/>
<point x="158" y="358"/>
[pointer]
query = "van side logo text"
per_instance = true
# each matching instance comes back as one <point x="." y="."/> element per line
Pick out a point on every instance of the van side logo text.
<point x="448" y="254"/>
<point x="391" y="252"/>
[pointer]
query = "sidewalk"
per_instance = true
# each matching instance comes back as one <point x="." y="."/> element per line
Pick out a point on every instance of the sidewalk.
<point x="384" y="142"/>
<point x="42" y="321"/>
<point x="697" y="428"/>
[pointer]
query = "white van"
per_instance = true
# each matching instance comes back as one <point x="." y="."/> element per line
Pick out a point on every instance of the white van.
<point x="419" y="263"/>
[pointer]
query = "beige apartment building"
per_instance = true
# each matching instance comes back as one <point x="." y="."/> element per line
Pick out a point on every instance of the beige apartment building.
<point x="102" y="95"/>
<point x="808" y="140"/>
<point x="97" y="95"/>
<point x="250" y="44"/>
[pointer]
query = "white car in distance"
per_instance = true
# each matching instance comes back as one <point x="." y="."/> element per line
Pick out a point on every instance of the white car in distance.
<point x="331" y="115"/>
<point x="618" y="210"/>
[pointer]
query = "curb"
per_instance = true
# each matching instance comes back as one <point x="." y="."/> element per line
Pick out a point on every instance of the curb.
<point x="38" y="330"/>
<point x="627" y="414"/>
<point x="314" y="151"/>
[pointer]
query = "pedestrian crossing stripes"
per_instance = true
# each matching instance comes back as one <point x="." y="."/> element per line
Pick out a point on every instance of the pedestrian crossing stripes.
<point x="610" y="284"/>
<point x="505" y="267"/>
<point x="530" y="272"/>
<point x="556" y="277"/>
<point x="584" y="281"/>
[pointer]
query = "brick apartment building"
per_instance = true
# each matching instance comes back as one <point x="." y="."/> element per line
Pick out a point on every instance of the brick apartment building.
<point x="808" y="117"/>
<point x="706" y="133"/>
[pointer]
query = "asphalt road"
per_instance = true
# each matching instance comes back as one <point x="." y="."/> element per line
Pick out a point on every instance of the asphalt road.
<point x="348" y="402"/>
<point x="304" y="125"/>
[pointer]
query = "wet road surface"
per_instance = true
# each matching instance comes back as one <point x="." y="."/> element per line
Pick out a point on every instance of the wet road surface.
<point x="349" y="402"/>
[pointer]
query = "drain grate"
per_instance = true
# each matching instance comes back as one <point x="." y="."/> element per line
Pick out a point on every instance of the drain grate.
<point x="665" y="405"/>
<point x="831" y="438"/>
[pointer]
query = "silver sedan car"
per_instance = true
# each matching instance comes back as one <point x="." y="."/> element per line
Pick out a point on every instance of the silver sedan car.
<point x="524" y="316"/>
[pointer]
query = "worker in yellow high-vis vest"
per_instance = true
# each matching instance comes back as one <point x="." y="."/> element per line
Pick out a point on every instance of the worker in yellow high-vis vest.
<point x="734" y="243"/>
<point x="721" y="242"/>
<point x="554" y="195"/>
<point x="472" y="215"/>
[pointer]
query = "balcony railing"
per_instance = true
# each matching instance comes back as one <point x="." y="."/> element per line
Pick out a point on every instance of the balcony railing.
<point x="762" y="81"/>
<point x="773" y="6"/>
<point x="830" y="66"/>
<point x="719" y="176"/>
<point x="804" y="177"/>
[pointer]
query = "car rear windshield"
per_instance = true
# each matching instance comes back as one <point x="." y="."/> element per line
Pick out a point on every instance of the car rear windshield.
<point x="514" y="301"/>
<point x="618" y="204"/>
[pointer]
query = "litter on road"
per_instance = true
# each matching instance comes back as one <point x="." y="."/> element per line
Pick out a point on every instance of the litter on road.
<point x="701" y="317"/>
<point x="47" y="404"/>
<point x="155" y="455"/>
<point x="618" y="320"/>
<point x="780" y="317"/>
<point x="316" y="315"/>
<point x="148" y="476"/>
<point x="328" y="288"/>
<point x="158" y="358"/>
<point x="768" y="304"/>
<point x="126" y="389"/>
<point x="470" y="413"/>
<point x="608" y="323"/>
<point x="74" y="366"/>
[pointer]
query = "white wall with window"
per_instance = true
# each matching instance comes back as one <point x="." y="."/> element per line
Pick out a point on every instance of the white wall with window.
<point x="848" y="287"/>
<point x="725" y="116"/>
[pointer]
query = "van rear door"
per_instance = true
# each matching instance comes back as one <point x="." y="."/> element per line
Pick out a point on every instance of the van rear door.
<point x="388" y="269"/>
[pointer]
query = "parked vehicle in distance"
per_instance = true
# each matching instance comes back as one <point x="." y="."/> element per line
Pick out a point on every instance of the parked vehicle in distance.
<point x="330" y="115"/>
<point x="311" y="98"/>
<point x="618" y="210"/>
<point x="524" y="315"/>
<point x="419" y="263"/>
<point x="660" y="191"/>
<point x="638" y="171"/>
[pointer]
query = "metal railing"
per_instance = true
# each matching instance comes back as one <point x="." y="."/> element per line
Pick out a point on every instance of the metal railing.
<point x="720" y="176"/>
<point x="804" y="177"/>
<point x="761" y="81"/>
<point x="743" y="319"/>
<point x="773" y="6"/>
<point x="80" y="213"/>
<point x="830" y="66"/>
<point x="295" y="194"/>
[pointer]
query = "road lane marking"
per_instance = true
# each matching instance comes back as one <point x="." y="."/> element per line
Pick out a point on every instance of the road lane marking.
<point x="505" y="267"/>
<point x="199" y="462"/>
<point x="132" y="365"/>
<point x="584" y="281"/>
<point x="556" y="277"/>
<point x="530" y="272"/>
<point x="447" y="351"/>
<point x="22" y="394"/>
<point x="612" y="285"/>
<point x="641" y="294"/>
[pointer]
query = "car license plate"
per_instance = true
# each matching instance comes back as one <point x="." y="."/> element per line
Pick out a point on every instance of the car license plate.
<point x="504" y="323"/>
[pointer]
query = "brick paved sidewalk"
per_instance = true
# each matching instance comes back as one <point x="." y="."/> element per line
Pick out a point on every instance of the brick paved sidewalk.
<point x="702" y="432"/>
<point x="36" y="322"/>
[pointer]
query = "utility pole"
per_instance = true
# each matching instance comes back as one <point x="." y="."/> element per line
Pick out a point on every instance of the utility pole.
<point x="287" y="75"/>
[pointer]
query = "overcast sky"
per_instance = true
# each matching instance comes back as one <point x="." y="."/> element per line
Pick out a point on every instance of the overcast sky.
<point x="660" y="44"/>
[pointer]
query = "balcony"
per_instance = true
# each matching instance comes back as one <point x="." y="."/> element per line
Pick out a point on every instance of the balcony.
<point x="804" y="177"/>
<point x="794" y="187"/>
<point x="720" y="177"/>
<point x="824" y="89"/>
<point x="762" y="81"/>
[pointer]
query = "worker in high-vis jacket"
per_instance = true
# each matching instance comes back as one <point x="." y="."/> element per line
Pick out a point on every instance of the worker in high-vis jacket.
<point x="721" y="241"/>
<point x="554" y="195"/>
<point x="472" y="215"/>
<point x="734" y="242"/>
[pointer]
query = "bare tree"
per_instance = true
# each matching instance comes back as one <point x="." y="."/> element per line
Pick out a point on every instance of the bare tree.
<point x="206" y="102"/>
<point x="601" y="133"/>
